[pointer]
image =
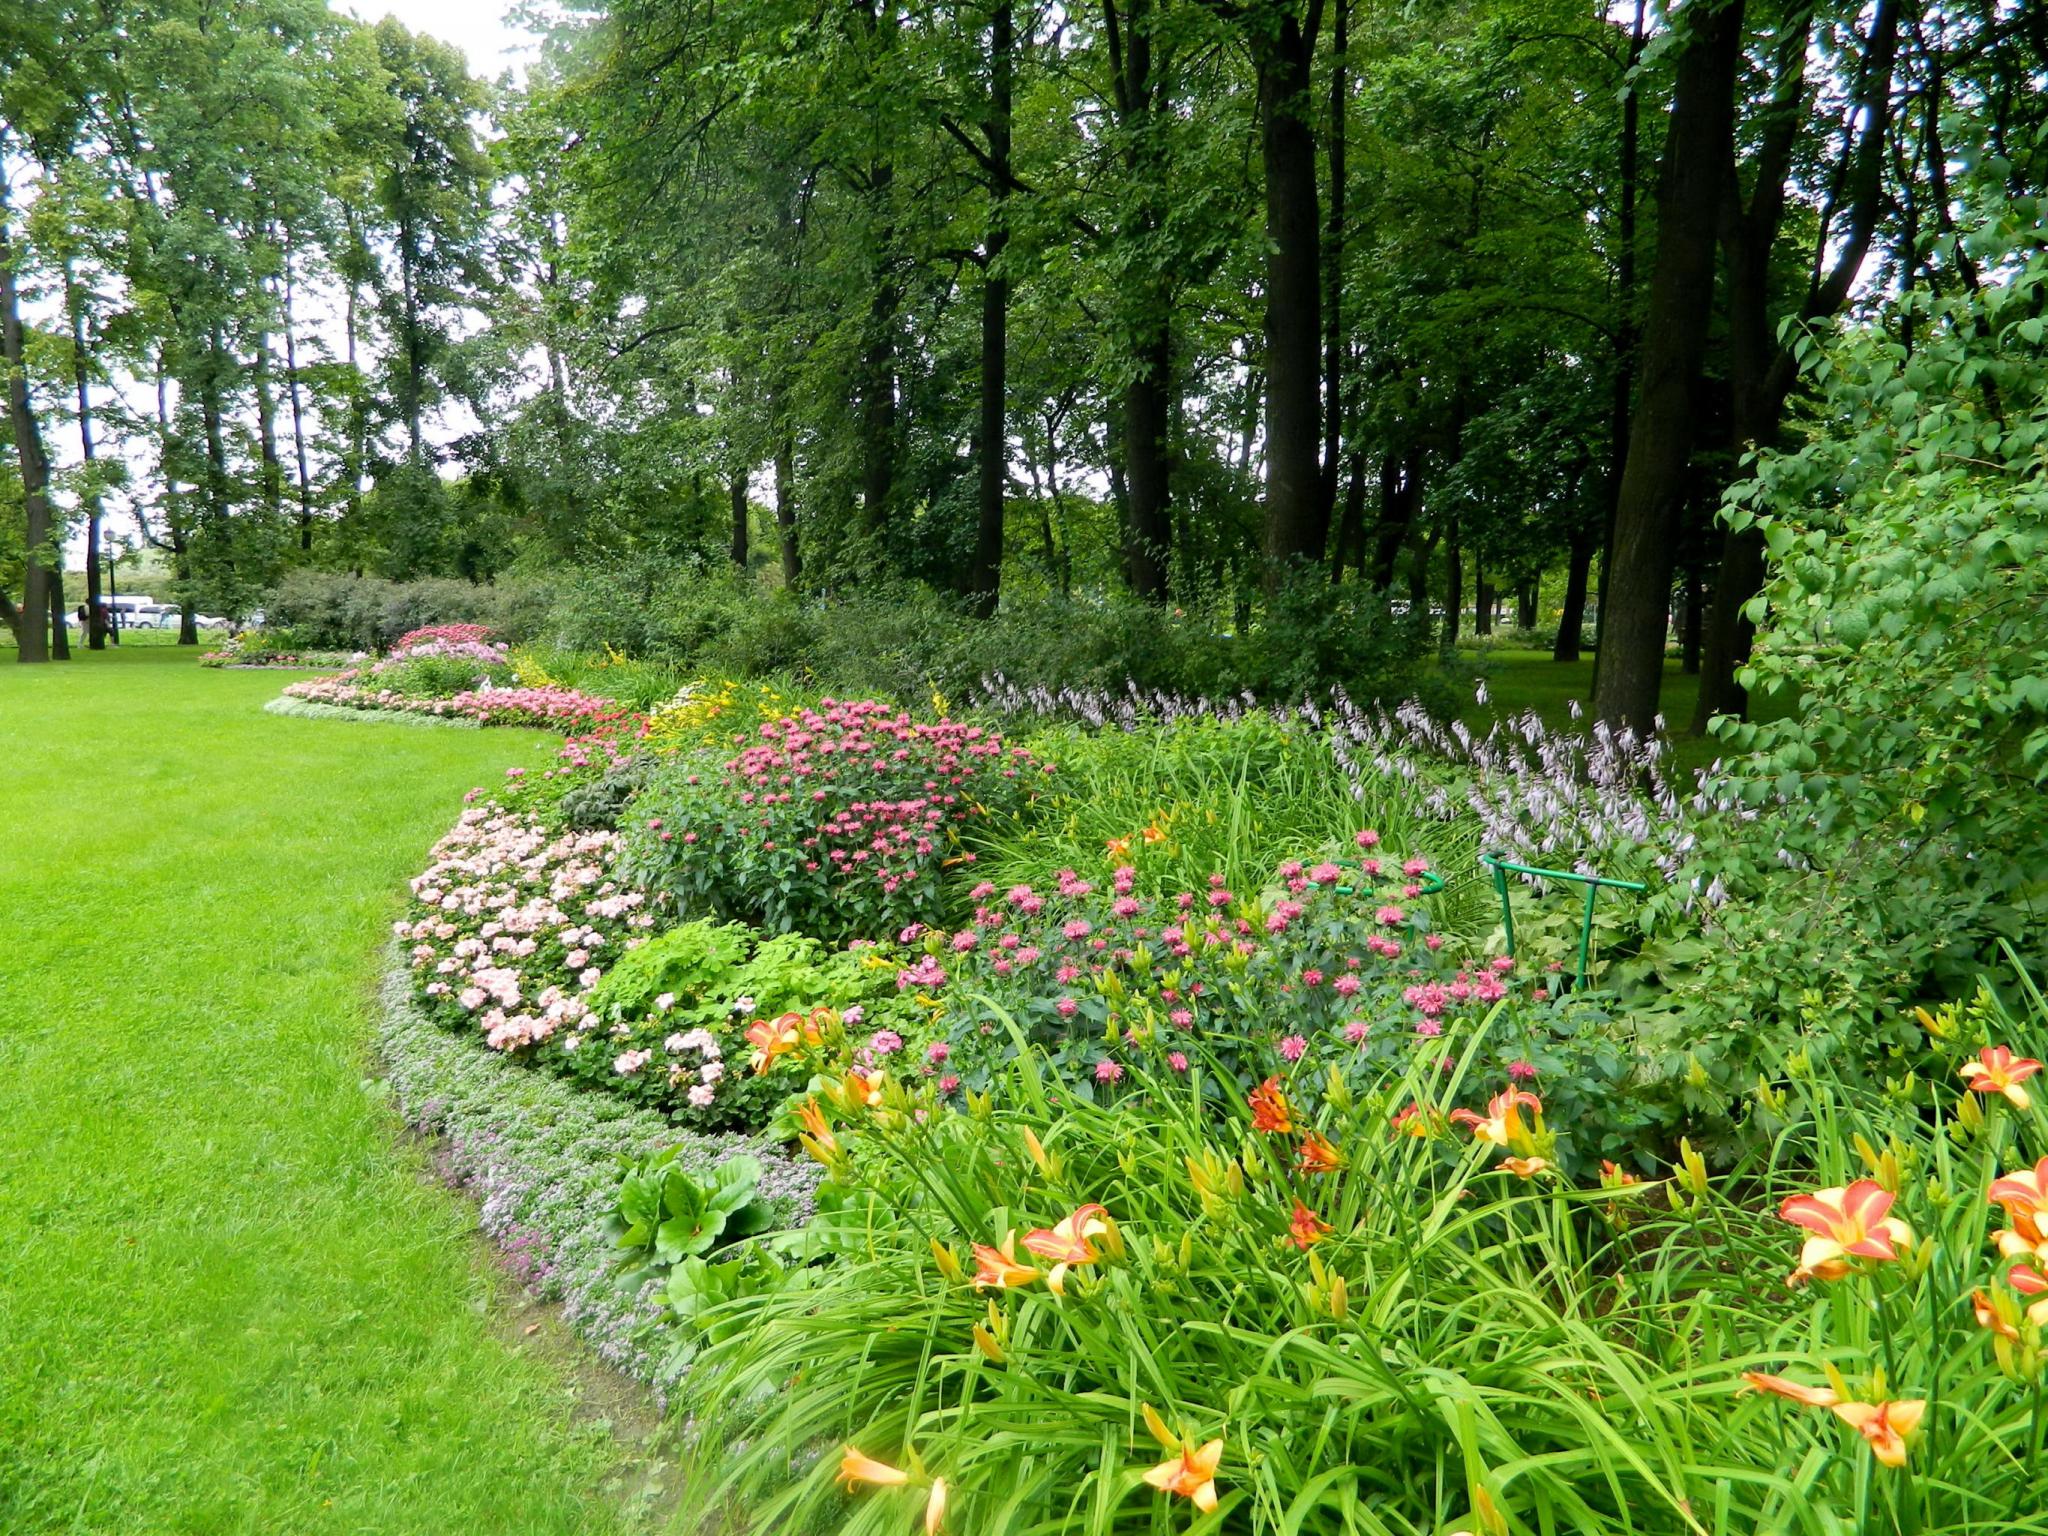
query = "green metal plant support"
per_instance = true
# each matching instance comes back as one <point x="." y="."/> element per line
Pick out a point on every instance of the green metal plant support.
<point x="1502" y="868"/>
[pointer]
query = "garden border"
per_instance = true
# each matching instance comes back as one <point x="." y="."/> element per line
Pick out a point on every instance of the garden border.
<point x="308" y="709"/>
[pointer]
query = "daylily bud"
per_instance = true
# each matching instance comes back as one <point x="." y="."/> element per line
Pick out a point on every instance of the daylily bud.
<point x="1045" y="1162"/>
<point x="949" y="1265"/>
<point x="986" y="1343"/>
<point x="980" y="1105"/>
<point x="1337" y="1092"/>
<point x="1692" y="1170"/>
<point x="1695" y="1074"/>
<point x="1187" y="1248"/>
<point x="1111" y="1238"/>
<point x="1970" y="1113"/>
<point x="1769" y="1098"/>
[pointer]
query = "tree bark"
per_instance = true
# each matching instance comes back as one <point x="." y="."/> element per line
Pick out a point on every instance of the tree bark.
<point x="985" y="573"/>
<point x="1400" y="491"/>
<point x="739" y="519"/>
<point x="1297" y="516"/>
<point x="1621" y="397"/>
<point x="1761" y="371"/>
<point x="1145" y="478"/>
<point x="1333" y="267"/>
<point x="1482" y="616"/>
<point x="1699" y="143"/>
<point x="1350" y="540"/>
<point x="33" y="623"/>
<point x="1525" y="604"/>
<point x="1572" y="621"/>
<point x="81" y="380"/>
<point x="785" y="510"/>
<point x="1454" y="591"/>
<point x="292" y="392"/>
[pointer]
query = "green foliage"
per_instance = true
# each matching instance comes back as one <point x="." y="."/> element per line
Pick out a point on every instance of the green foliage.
<point x="330" y="609"/>
<point x="667" y="1214"/>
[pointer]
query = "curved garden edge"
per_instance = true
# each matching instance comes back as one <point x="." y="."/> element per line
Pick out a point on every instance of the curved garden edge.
<point x="539" y="1155"/>
<point x="307" y="709"/>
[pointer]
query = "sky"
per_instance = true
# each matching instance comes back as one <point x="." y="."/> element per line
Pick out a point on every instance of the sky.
<point x="477" y="27"/>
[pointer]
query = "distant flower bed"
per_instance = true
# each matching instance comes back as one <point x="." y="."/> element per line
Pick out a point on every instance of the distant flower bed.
<point x="553" y="708"/>
<point x="254" y="648"/>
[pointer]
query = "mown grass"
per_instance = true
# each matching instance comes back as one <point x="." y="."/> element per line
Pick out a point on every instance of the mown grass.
<point x="228" y="1301"/>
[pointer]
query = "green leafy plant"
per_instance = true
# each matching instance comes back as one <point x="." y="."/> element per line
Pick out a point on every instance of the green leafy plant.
<point x="667" y="1214"/>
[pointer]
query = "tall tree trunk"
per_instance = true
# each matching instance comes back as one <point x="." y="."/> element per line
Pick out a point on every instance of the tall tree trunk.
<point x="358" y="452"/>
<point x="266" y="430"/>
<point x="1761" y="371"/>
<point x="293" y="394"/>
<point x="1400" y="492"/>
<point x="1333" y="269"/>
<point x="60" y="632"/>
<point x="1454" y="591"/>
<point x="1572" y="621"/>
<point x="1144" y="432"/>
<point x="739" y="518"/>
<point x="81" y="380"/>
<point x="1297" y="516"/>
<point x="1350" y="541"/>
<point x="785" y="510"/>
<point x="1698" y="146"/>
<point x="1689" y="628"/>
<point x="985" y="573"/>
<point x="878" y="370"/>
<point x="33" y="623"/>
<point x="1482" y="615"/>
<point x="1621" y="397"/>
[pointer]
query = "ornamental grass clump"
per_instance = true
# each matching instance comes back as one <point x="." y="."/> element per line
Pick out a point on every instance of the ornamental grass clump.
<point x="838" y="822"/>
<point x="1320" y="1305"/>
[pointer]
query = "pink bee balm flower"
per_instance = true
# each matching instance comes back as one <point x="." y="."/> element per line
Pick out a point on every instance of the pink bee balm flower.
<point x="1521" y="1071"/>
<point x="1415" y="867"/>
<point x="1389" y="915"/>
<point x="1292" y="1047"/>
<point x="1368" y="839"/>
<point x="1067" y="1007"/>
<point x="1429" y="1028"/>
<point x="1326" y="874"/>
<point x="937" y="1052"/>
<point x="1435" y="941"/>
<point x="1346" y="985"/>
<point x="1177" y="1061"/>
<point x="1357" y="1030"/>
<point x="949" y="1083"/>
<point x="1108" y="1072"/>
<point x="1182" y="1017"/>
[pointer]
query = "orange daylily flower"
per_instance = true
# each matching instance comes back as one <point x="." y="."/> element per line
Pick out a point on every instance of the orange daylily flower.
<point x="862" y="1090"/>
<point x="1269" y="1108"/>
<point x="1886" y="1426"/>
<point x="1988" y="1318"/>
<point x="780" y="1036"/>
<point x="1191" y="1474"/>
<point x="998" y="1267"/>
<point x="1997" y="1070"/>
<point x="1525" y="1167"/>
<point x="1614" y="1176"/>
<point x="2024" y="1195"/>
<point x="1846" y="1224"/>
<point x="1306" y="1229"/>
<point x="1154" y="833"/>
<point x="1415" y="1121"/>
<point x="1067" y="1243"/>
<point x="1118" y="847"/>
<point x="1502" y="1122"/>
<point x="856" y="1468"/>
<point x="1317" y="1155"/>
<point x="1813" y="1397"/>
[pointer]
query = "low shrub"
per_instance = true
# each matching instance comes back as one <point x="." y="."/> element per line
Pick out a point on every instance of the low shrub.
<point x="840" y="822"/>
<point x="333" y="610"/>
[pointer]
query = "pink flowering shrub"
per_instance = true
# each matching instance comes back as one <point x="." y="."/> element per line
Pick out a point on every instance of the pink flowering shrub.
<point x="838" y="822"/>
<point x="1332" y="965"/>
<point x="444" y="634"/>
<point x="551" y="707"/>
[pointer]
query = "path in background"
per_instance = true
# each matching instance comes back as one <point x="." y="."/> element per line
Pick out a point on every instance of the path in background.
<point x="228" y="1301"/>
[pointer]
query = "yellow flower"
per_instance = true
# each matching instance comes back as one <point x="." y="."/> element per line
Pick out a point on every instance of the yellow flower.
<point x="1191" y="1474"/>
<point x="856" y="1468"/>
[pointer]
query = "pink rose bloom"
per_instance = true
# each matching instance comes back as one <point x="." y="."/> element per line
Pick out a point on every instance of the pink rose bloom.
<point x="1292" y="1047"/>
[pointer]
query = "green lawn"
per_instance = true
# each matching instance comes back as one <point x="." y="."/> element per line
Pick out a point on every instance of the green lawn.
<point x="228" y="1300"/>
